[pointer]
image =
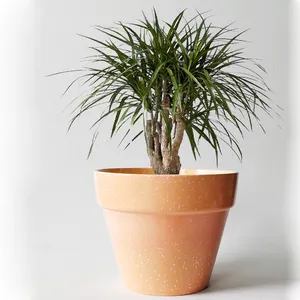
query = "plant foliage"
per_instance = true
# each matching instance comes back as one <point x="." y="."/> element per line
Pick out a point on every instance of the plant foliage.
<point x="208" y="81"/>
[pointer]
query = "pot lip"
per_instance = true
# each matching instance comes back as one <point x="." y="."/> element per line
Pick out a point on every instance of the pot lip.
<point x="147" y="172"/>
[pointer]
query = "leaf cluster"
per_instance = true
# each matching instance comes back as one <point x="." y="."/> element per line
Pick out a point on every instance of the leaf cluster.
<point x="209" y="81"/>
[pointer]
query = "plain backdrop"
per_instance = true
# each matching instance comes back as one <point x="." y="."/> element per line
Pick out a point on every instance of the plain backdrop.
<point x="56" y="245"/>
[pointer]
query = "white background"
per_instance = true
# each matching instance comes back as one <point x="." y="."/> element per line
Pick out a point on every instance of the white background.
<point x="54" y="243"/>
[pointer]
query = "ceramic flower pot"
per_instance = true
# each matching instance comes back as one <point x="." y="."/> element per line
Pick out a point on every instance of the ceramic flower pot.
<point x="165" y="229"/>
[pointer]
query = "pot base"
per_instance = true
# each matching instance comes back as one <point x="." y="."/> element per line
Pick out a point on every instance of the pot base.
<point x="169" y="293"/>
<point x="165" y="255"/>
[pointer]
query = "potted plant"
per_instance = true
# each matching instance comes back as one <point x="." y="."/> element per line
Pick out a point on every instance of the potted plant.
<point x="170" y="79"/>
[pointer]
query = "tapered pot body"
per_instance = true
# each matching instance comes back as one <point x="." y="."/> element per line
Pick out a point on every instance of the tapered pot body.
<point x="165" y="229"/>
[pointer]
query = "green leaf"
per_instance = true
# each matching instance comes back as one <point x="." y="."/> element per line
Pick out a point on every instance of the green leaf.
<point x="190" y="134"/>
<point x="121" y="105"/>
<point x="95" y="135"/>
<point x="134" y="139"/>
<point x="193" y="78"/>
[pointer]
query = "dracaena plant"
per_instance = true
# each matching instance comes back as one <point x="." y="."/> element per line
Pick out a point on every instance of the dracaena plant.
<point x="171" y="79"/>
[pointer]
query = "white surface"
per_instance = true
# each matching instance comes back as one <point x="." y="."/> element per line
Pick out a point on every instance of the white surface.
<point x="18" y="149"/>
<point x="114" y="290"/>
<point x="54" y="243"/>
<point x="237" y="279"/>
<point x="293" y="186"/>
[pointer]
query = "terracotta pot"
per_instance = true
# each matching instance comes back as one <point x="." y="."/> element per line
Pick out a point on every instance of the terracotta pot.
<point x="165" y="229"/>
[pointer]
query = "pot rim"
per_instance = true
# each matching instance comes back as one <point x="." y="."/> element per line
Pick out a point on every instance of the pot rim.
<point x="147" y="172"/>
<point x="193" y="191"/>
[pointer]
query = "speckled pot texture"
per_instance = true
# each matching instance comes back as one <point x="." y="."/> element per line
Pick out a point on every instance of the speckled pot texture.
<point x="165" y="229"/>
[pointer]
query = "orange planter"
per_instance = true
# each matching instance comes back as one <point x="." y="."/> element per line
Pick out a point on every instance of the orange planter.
<point x="165" y="229"/>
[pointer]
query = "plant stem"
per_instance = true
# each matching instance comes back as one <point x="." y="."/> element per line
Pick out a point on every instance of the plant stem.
<point x="163" y="152"/>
